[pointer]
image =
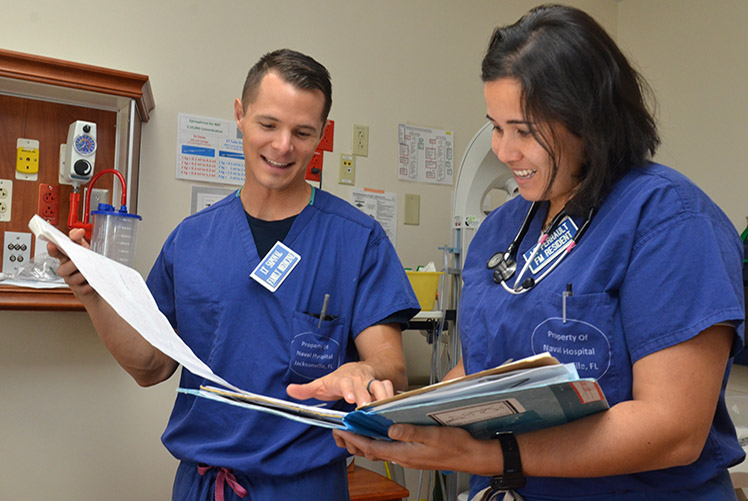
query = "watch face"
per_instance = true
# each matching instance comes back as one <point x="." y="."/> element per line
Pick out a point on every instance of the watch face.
<point x="85" y="144"/>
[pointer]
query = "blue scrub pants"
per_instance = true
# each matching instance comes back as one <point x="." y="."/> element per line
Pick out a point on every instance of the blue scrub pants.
<point x="329" y="483"/>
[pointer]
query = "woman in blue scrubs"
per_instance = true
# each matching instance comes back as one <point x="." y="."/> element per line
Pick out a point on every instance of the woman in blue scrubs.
<point x="638" y="284"/>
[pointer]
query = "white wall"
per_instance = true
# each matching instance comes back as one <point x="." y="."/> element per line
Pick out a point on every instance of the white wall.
<point x="72" y="424"/>
<point x="694" y="54"/>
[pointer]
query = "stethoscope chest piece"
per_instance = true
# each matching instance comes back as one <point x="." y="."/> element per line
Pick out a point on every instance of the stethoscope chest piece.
<point x="494" y="260"/>
<point x="503" y="265"/>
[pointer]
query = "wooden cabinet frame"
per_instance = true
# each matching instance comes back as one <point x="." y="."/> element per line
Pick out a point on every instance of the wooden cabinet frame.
<point x="128" y="95"/>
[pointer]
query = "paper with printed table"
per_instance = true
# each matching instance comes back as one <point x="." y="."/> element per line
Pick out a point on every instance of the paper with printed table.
<point x="528" y="394"/>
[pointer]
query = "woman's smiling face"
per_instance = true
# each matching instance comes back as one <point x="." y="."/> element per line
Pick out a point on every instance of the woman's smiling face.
<point x="514" y="145"/>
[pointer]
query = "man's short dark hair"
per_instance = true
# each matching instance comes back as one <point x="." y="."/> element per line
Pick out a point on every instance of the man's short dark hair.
<point x="298" y="69"/>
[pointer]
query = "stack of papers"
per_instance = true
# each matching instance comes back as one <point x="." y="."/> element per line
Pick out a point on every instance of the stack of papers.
<point x="529" y="394"/>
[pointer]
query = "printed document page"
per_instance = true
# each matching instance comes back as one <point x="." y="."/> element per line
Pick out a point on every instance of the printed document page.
<point x="127" y="293"/>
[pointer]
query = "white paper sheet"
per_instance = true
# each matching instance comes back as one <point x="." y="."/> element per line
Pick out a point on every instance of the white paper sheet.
<point x="127" y="293"/>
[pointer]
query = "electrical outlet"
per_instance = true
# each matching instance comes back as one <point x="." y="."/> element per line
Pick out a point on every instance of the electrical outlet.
<point x="314" y="169"/>
<point x="347" y="174"/>
<point x="98" y="196"/>
<point x="27" y="159"/>
<point x="6" y="199"/>
<point x="48" y="206"/>
<point x="327" y="136"/>
<point x="16" y="250"/>
<point x="361" y="140"/>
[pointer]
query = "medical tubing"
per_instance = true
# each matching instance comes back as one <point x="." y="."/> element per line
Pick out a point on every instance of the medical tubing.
<point x="442" y="485"/>
<point x="523" y="229"/>
<point x="75" y="198"/>
<point x="571" y="244"/>
<point x="534" y="253"/>
<point x="420" y="484"/>
<point x="87" y="208"/>
<point x="442" y="309"/>
<point x="543" y="237"/>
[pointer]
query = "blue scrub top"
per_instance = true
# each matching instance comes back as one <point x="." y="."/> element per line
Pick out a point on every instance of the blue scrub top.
<point x="262" y="341"/>
<point x="659" y="264"/>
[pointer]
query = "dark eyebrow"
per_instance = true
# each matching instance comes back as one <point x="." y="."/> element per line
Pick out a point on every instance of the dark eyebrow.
<point x="513" y="122"/>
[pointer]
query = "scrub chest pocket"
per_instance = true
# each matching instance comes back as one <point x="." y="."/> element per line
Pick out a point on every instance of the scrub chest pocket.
<point x="581" y="332"/>
<point x="315" y="350"/>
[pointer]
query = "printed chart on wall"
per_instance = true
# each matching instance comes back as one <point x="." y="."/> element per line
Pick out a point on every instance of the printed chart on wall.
<point x="426" y="155"/>
<point x="380" y="205"/>
<point x="209" y="150"/>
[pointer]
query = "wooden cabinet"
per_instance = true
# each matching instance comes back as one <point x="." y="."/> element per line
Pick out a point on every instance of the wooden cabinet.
<point x="39" y="98"/>
<point x="365" y="485"/>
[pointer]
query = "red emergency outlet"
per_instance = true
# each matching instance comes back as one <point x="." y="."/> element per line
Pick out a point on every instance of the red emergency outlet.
<point x="327" y="137"/>
<point x="314" y="169"/>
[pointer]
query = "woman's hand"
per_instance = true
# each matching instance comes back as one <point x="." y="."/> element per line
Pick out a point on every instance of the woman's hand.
<point x="427" y="448"/>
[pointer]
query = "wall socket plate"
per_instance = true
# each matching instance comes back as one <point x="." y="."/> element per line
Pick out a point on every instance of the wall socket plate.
<point x="347" y="173"/>
<point x="27" y="159"/>
<point x="48" y="204"/>
<point x="16" y="250"/>
<point x="361" y="140"/>
<point x="6" y="199"/>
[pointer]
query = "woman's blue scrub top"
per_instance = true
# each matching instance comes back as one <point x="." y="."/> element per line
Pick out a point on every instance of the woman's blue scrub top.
<point x="659" y="264"/>
<point x="262" y="341"/>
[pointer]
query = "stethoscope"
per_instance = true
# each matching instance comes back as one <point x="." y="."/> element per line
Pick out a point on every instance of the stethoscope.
<point x="504" y="264"/>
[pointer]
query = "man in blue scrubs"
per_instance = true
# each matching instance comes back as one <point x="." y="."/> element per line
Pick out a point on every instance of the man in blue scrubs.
<point x="283" y="290"/>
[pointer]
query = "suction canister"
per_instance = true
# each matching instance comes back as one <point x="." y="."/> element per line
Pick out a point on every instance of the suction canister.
<point x="115" y="233"/>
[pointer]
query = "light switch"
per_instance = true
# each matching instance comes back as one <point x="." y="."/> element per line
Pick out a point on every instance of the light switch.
<point x="412" y="209"/>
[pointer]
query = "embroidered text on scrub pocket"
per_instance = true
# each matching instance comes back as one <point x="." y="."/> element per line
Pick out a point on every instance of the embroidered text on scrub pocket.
<point x="574" y="341"/>
<point x="313" y="356"/>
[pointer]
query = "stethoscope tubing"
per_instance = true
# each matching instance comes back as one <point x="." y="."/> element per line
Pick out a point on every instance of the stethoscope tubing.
<point x="519" y="287"/>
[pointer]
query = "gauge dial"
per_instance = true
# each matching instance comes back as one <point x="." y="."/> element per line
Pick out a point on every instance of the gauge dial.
<point x="85" y="144"/>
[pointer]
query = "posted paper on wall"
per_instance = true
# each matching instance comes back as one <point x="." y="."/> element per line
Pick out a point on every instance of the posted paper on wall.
<point x="380" y="205"/>
<point x="426" y="155"/>
<point x="209" y="150"/>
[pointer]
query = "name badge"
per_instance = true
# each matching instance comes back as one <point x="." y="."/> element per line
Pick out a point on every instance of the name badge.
<point x="275" y="267"/>
<point x="556" y="243"/>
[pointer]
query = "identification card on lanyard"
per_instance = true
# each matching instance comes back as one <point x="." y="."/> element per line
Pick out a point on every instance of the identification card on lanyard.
<point x="275" y="266"/>
<point x="557" y="243"/>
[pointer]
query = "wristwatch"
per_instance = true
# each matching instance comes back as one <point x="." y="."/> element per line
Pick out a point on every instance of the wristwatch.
<point x="512" y="478"/>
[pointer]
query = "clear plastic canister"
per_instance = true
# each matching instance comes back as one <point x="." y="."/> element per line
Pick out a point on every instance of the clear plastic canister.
<point x="115" y="233"/>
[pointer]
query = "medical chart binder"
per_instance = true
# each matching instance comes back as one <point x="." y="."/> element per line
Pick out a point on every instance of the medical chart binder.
<point x="532" y="393"/>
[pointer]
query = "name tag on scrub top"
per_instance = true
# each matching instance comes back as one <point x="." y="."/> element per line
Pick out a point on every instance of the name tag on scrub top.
<point x="275" y="267"/>
<point x="557" y="243"/>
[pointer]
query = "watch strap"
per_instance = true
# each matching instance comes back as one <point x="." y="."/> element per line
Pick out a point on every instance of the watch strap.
<point x="512" y="478"/>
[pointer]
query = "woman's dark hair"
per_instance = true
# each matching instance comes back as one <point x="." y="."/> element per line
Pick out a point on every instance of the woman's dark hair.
<point x="572" y="73"/>
<point x="300" y="70"/>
